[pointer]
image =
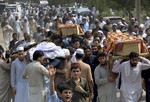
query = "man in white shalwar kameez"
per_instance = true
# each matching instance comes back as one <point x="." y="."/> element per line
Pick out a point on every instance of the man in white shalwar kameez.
<point x="17" y="26"/>
<point x="7" y="34"/>
<point x="25" y="25"/>
<point x="106" y="86"/>
<point x="20" y="86"/>
<point x="131" y="84"/>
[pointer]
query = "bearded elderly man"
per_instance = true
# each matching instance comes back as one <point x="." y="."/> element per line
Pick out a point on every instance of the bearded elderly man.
<point x="130" y="70"/>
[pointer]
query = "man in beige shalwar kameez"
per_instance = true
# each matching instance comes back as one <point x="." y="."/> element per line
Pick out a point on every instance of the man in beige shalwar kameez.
<point x="35" y="72"/>
<point x="5" y="89"/>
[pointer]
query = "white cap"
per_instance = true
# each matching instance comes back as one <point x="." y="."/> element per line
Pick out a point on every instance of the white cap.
<point x="123" y="19"/>
<point x="20" y="48"/>
<point x="141" y="25"/>
<point x="47" y="30"/>
<point x="148" y="47"/>
<point x="99" y="31"/>
<point x="133" y="33"/>
<point x="25" y="17"/>
<point x="147" y="18"/>
<point x="79" y="51"/>
<point x="120" y="23"/>
<point x="90" y="30"/>
<point x="132" y="18"/>
<point x="114" y="24"/>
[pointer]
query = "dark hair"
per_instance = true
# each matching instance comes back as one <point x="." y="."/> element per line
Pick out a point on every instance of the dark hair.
<point x="105" y="28"/>
<point x="96" y="40"/>
<point x="14" y="34"/>
<point x="1" y="48"/>
<point x="133" y="55"/>
<point x="1" y="52"/>
<point x="71" y="49"/>
<point x="136" y="26"/>
<point x="37" y="54"/>
<point x="93" y="45"/>
<point x="79" y="56"/>
<point x="144" y="39"/>
<point x="75" y="66"/>
<point x="75" y="40"/>
<point x="87" y="47"/>
<point x="147" y="29"/>
<point x="61" y="87"/>
<point x="101" y="54"/>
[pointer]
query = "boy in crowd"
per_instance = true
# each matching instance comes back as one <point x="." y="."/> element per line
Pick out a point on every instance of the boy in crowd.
<point x="65" y="91"/>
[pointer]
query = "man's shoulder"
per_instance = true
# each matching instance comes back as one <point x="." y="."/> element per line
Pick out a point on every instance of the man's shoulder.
<point x="68" y="81"/>
<point x="33" y="63"/>
<point x="2" y="61"/>
<point x="97" y="68"/>
<point x="126" y="62"/>
<point x="15" y="61"/>
<point x="83" y="64"/>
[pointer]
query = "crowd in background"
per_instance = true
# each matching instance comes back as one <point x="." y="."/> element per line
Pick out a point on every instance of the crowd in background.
<point x="84" y="74"/>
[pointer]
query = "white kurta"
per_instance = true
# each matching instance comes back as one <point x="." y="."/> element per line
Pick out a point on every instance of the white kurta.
<point x="26" y="28"/>
<point x="7" y="34"/>
<point x="21" y="85"/>
<point x="131" y="87"/>
<point x="106" y="90"/>
<point x="17" y="27"/>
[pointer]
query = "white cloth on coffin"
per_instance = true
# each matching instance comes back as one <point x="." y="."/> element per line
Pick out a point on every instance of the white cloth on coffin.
<point x="50" y="50"/>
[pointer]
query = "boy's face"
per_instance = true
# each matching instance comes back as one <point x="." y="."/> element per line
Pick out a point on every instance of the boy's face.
<point x="75" y="73"/>
<point x="102" y="60"/>
<point x="66" y="95"/>
<point x="77" y="44"/>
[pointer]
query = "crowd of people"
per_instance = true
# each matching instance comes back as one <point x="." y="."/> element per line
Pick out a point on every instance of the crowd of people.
<point x="86" y="73"/>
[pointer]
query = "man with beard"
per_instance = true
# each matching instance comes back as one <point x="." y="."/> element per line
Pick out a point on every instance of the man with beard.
<point x="94" y="49"/>
<point x="93" y="62"/>
<point x="131" y="87"/>
<point x="19" y="85"/>
<point x="105" y="83"/>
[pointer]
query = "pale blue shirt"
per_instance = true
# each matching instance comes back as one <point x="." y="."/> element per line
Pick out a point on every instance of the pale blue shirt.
<point x="54" y="98"/>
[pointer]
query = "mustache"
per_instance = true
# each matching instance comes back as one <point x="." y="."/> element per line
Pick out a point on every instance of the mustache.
<point x="133" y="65"/>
